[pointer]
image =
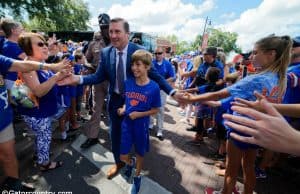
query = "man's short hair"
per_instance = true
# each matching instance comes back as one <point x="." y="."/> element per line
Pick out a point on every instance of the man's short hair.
<point x="125" y="23"/>
<point x="7" y="25"/>
<point x="142" y="55"/>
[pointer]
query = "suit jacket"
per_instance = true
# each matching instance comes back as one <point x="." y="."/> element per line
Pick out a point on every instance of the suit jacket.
<point x="107" y="69"/>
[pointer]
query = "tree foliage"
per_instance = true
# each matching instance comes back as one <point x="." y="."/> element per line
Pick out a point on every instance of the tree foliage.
<point x="45" y="15"/>
<point x="226" y="40"/>
<point x="217" y="38"/>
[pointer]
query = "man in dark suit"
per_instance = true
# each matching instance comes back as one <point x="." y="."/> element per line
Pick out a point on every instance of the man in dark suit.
<point x="115" y="66"/>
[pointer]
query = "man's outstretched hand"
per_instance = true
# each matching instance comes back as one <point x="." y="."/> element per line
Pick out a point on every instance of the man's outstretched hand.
<point x="69" y="80"/>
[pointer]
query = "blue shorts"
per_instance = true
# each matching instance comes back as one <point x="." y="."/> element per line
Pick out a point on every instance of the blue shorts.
<point x="203" y="111"/>
<point x="239" y="144"/>
<point x="135" y="132"/>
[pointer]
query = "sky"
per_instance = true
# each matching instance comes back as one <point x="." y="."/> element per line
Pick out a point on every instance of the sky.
<point x="250" y="19"/>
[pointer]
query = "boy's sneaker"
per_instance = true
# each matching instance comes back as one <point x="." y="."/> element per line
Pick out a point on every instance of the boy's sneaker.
<point x="260" y="174"/>
<point x="129" y="168"/>
<point x="136" y="184"/>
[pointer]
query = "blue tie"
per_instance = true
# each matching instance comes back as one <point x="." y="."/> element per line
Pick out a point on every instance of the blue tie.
<point x="120" y="74"/>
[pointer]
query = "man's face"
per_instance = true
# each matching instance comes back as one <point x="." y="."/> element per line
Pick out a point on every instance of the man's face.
<point x="118" y="36"/>
<point x="159" y="55"/>
<point x="208" y="58"/>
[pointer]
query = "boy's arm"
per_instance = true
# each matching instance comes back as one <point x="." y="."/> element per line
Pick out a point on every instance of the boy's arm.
<point x="135" y="114"/>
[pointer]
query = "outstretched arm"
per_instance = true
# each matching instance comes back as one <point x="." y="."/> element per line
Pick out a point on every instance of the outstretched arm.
<point x="189" y="98"/>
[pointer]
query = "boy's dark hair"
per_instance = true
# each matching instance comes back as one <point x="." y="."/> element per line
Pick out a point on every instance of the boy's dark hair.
<point x="213" y="74"/>
<point x="78" y="56"/>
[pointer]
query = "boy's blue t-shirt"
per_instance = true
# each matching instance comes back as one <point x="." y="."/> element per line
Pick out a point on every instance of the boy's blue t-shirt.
<point x="6" y="114"/>
<point x="141" y="98"/>
<point x="11" y="50"/>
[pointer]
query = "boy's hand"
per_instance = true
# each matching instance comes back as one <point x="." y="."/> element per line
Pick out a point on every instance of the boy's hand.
<point x="134" y="115"/>
<point x="121" y="111"/>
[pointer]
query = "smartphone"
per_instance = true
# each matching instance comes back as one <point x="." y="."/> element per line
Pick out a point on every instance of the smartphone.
<point x="244" y="71"/>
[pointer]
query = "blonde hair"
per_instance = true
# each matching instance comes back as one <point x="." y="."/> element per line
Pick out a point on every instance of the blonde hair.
<point x="197" y="61"/>
<point x="142" y="55"/>
<point x="283" y="46"/>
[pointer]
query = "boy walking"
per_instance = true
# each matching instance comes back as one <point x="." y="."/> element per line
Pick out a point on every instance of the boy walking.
<point x="142" y="99"/>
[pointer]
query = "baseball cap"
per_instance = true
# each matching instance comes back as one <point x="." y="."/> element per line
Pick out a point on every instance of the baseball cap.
<point x="296" y="41"/>
<point x="210" y="51"/>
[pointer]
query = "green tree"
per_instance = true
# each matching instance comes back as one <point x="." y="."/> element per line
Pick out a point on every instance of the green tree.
<point x="197" y="43"/>
<point x="226" y="40"/>
<point x="181" y="46"/>
<point x="45" y="15"/>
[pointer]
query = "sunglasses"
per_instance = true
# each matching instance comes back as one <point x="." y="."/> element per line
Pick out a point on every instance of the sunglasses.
<point x="42" y="44"/>
<point x="158" y="53"/>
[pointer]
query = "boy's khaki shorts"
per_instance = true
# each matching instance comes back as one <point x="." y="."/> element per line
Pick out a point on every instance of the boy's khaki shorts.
<point x="7" y="134"/>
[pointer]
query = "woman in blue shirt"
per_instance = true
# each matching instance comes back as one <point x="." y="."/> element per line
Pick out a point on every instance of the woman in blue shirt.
<point x="7" y="142"/>
<point x="43" y="85"/>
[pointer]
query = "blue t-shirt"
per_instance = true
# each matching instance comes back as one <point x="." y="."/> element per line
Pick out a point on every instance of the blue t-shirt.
<point x="2" y="39"/>
<point x="264" y="83"/>
<point x="11" y="50"/>
<point x="78" y="68"/>
<point x="204" y="67"/>
<point x="165" y="69"/>
<point x="189" y="67"/>
<point x="141" y="98"/>
<point x="47" y="103"/>
<point x="5" y="109"/>
<point x="292" y="95"/>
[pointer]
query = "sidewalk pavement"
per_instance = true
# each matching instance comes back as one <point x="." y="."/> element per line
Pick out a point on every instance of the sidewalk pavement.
<point x="171" y="166"/>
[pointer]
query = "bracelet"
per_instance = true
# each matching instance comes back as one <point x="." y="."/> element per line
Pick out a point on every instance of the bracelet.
<point x="41" y="66"/>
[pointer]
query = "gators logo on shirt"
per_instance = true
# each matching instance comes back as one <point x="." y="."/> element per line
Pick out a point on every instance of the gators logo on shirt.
<point x="134" y="102"/>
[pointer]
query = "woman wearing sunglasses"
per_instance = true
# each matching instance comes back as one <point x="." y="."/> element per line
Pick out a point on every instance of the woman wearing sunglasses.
<point x="43" y="85"/>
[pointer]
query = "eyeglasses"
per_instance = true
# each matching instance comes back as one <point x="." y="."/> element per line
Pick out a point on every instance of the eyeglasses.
<point x="160" y="53"/>
<point x="42" y="44"/>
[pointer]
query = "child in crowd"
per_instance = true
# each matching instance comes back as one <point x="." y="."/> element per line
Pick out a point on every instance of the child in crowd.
<point x="142" y="99"/>
<point x="270" y="57"/>
<point x="78" y="70"/>
<point x="72" y="92"/>
<point x="205" y="113"/>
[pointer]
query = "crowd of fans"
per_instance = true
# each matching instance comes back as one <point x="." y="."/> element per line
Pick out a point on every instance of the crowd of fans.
<point x="207" y="87"/>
